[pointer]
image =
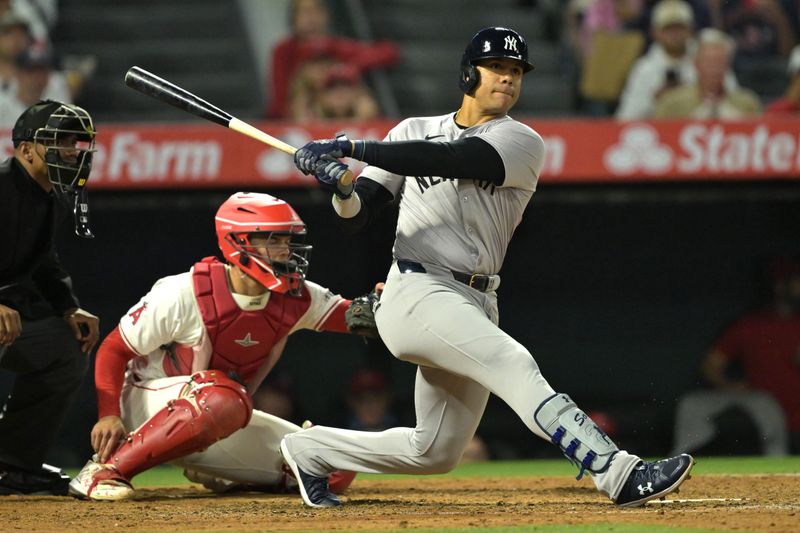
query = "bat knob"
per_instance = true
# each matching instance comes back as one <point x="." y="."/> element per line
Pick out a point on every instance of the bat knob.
<point x="347" y="178"/>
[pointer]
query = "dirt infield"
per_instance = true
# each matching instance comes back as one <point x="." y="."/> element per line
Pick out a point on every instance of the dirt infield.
<point x="750" y="503"/>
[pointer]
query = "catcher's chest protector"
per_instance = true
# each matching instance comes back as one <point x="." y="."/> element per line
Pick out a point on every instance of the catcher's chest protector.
<point x="241" y="340"/>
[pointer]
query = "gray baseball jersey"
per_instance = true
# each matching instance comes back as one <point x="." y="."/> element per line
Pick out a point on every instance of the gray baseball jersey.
<point x="464" y="225"/>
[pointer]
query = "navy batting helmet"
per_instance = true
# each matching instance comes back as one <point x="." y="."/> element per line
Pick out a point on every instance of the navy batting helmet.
<point x="488" y="43"/>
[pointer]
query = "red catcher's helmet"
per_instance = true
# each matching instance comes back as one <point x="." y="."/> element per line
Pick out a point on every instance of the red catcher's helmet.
<point x="245" y="214"/>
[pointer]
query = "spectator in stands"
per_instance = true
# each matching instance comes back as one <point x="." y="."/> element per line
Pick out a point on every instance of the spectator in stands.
<point x="765" y="346"/>
<point x="789" y="103"/>
<point x="585" y="18"/>
<point x="306" y="84"/>
<point x="309" y="22"/>
<point x="708" y="97"/>
<point x="345" y="96"/>
<point x="603" y="49"/>
<point x="36" y="80"/>
<point x="369" y="398"/>
<point x="341" y="95"/>
<point x="700" y="11"/>
<point x="16" y="36"/>
<point x="14" y="39"/>
<point x="668" y="63"/>
<point x="758" y="27"/>
<point x="34" y="12"/>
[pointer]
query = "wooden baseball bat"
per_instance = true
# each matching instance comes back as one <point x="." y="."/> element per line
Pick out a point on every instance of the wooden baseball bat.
<point x="148" y="83"/>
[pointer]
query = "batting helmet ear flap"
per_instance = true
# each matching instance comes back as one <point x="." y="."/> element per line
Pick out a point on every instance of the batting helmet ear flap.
<point x="469" y="77"/>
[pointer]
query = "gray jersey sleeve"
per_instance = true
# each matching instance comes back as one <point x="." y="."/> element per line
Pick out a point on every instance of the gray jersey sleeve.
<point x="522" y="152"/>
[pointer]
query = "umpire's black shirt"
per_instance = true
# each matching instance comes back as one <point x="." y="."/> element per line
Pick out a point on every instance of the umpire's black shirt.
<point x="32" y="280"/>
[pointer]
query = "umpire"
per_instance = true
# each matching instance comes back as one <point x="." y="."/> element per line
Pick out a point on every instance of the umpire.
<point x="45" y="337"/>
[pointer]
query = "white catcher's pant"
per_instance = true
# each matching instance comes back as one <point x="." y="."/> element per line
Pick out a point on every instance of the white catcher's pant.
<point x="450" y="331"/>
<point x="250" y="455"/>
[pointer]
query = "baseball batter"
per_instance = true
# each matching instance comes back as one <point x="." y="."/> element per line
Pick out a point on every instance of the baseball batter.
<point x="464" y="179"/>
<point x="181" y="367"/>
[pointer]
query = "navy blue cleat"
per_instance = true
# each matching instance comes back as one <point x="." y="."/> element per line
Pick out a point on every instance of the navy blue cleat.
<point x="314" y="490"/>
<point x="654" y="480"/>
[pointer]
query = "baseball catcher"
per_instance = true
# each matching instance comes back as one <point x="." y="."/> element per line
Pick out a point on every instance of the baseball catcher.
<point x="174" y="380"/>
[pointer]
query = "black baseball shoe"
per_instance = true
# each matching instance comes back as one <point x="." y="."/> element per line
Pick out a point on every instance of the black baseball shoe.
<point x="47" y="481"/>
<point x="654" y="480"/>
<point x="314" y="490"/>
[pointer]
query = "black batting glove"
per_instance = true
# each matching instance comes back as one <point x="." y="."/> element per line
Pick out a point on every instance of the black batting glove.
<point x="307" y="157"/>
<point x="329" y="173"/>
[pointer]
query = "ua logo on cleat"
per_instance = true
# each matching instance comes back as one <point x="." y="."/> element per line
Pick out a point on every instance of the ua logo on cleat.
<point x="648" y="488"/>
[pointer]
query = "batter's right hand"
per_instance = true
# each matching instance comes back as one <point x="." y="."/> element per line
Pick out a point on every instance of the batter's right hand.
<point x="107" y="434"/>
<point x="10" y="325"/>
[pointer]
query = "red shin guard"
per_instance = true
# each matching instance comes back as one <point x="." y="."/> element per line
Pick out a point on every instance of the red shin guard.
<point x="210" y="407"/>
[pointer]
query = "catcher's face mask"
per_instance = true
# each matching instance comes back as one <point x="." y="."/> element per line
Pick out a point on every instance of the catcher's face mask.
<point x="68" y="139"/>
<point x="275" y="256"/>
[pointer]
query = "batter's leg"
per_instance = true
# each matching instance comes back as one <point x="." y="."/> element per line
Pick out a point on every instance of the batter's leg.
<point x="448" y="409"/>
<point x="455" y="329"/>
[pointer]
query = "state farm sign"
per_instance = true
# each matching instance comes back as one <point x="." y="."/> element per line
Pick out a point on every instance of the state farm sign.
<point x="701" y="149"/>
<point x="201" y="155"/>
<point x="130" y="157"/>
<point x="706" y="148"/>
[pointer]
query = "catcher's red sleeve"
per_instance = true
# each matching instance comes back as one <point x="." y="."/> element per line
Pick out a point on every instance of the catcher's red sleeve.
<point x="109" y="373"/>
<point x="335" y="320"/>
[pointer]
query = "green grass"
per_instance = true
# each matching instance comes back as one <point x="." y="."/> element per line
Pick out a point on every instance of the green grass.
<point x="169" y="475"/>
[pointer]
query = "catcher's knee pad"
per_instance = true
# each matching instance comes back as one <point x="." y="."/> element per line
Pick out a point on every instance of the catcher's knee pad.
<point x="210" y="407"/>
<point x="582" y="442"/>
<point x="222" y="403"/>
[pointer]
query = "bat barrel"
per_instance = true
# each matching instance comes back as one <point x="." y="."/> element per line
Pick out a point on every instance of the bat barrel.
<point x="148" y="83"/>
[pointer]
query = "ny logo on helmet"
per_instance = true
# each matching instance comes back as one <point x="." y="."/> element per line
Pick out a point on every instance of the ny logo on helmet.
<point x="511" y="43"/>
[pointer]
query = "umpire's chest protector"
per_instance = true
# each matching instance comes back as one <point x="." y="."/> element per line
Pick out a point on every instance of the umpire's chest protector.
<point x="241" y="340"/>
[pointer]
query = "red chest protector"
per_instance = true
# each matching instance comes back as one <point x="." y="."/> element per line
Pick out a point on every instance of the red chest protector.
<point x="241" y="340"/>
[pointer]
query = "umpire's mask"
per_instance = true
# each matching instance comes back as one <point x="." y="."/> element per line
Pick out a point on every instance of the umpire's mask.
<point x="67" y="135"/>
<point x="68" y="138"/>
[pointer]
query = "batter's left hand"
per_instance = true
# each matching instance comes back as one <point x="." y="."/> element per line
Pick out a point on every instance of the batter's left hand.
<point x="329" y="174"/>
<point x="85" y="326"/>
<point x="307" y="157"/>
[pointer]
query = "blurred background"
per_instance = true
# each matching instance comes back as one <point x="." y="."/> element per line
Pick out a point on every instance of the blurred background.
<point x="668" y="213"/>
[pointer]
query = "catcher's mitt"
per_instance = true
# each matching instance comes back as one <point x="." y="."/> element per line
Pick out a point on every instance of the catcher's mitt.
<point x="360" y="316"/>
